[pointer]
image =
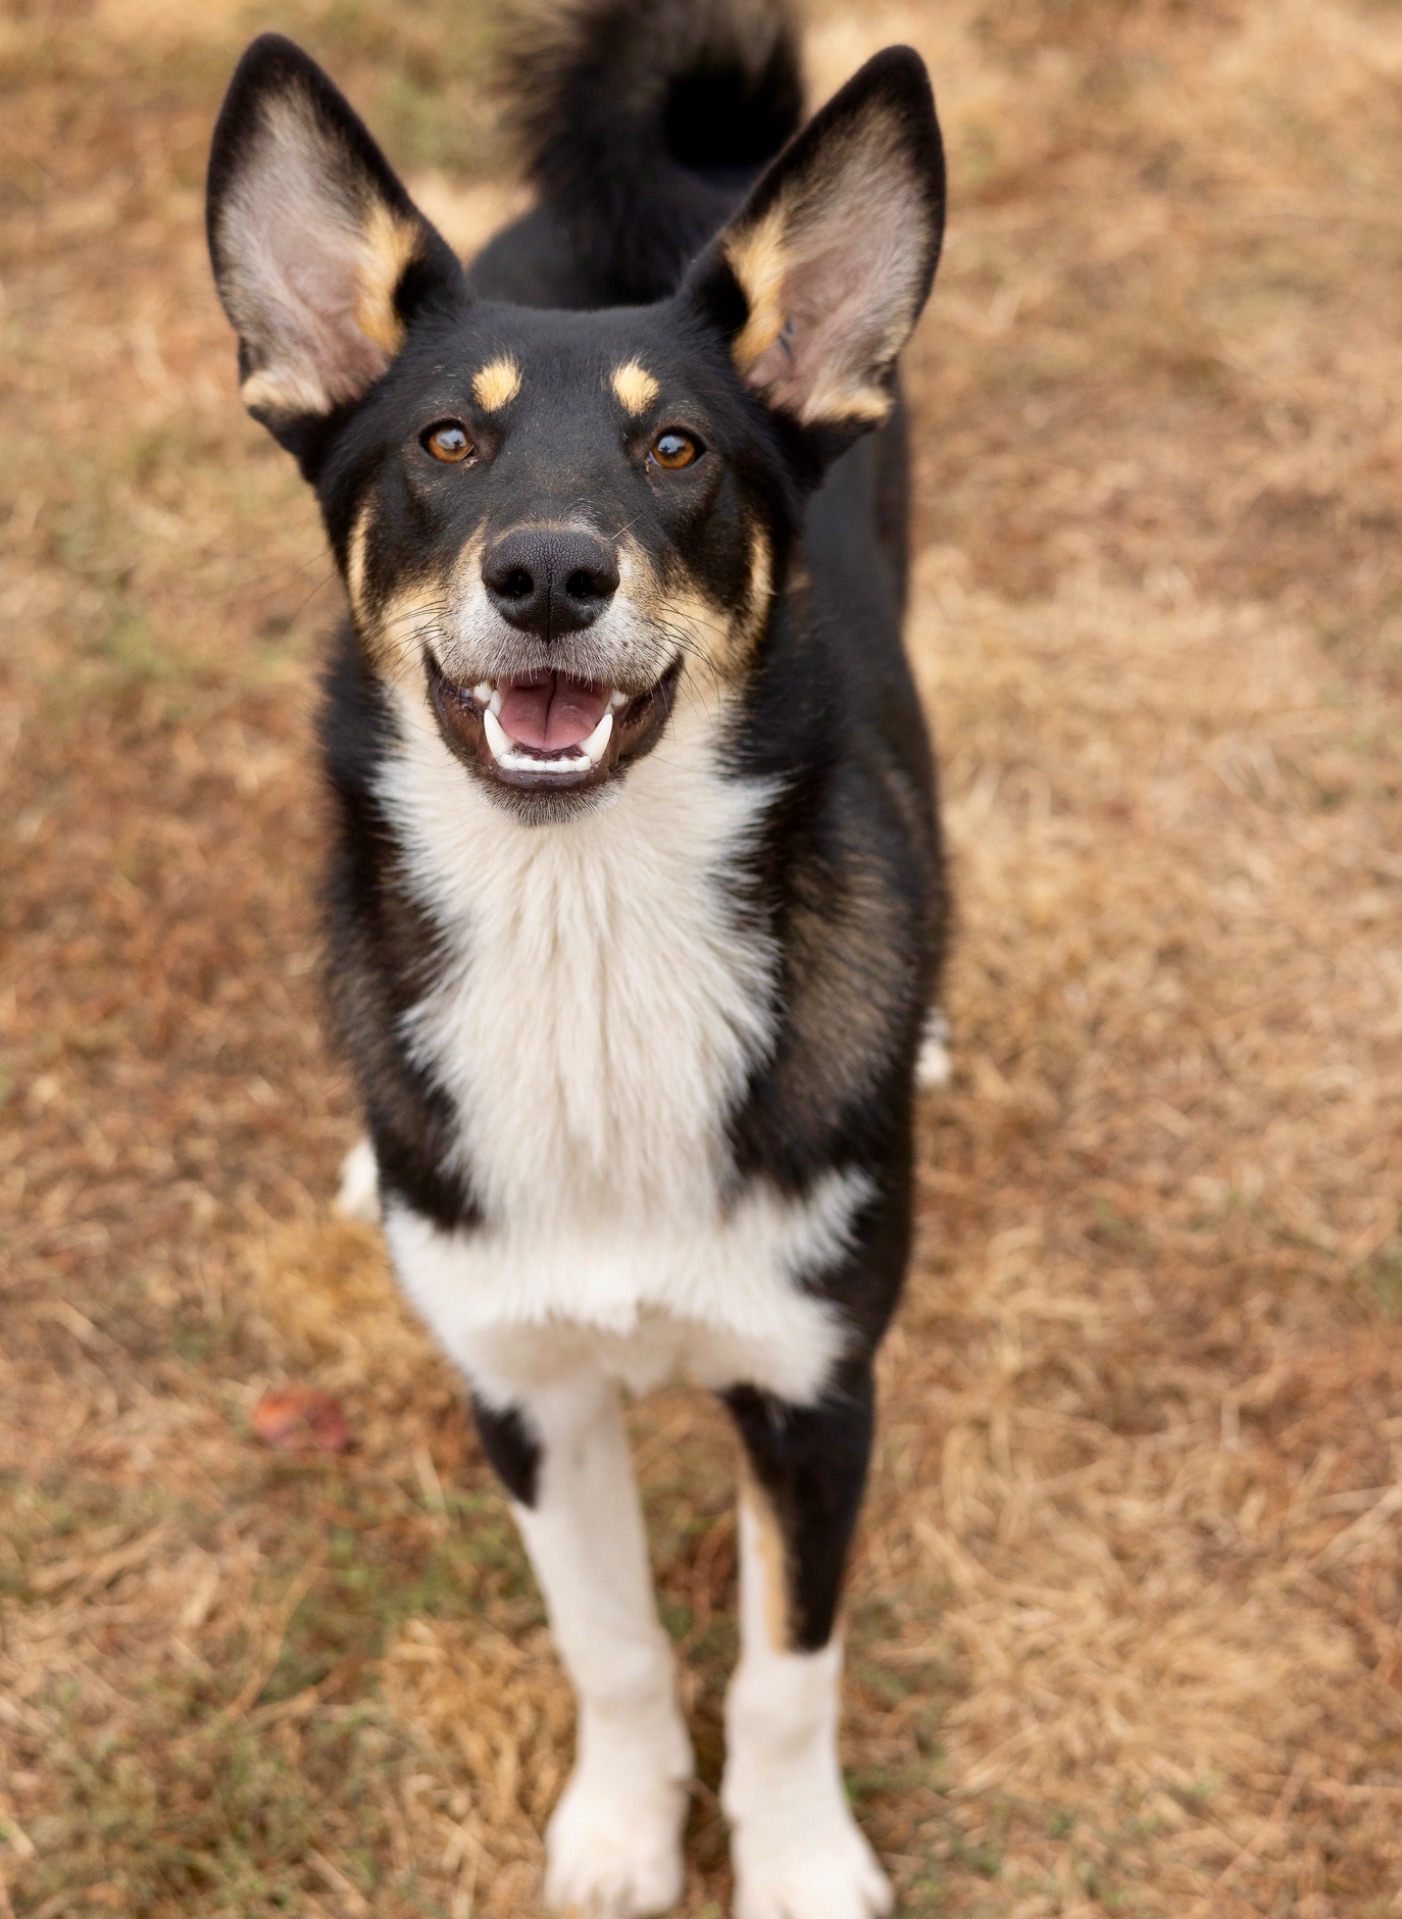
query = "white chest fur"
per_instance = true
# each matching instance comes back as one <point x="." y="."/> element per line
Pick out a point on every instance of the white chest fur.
<point x="600" y="1008"/>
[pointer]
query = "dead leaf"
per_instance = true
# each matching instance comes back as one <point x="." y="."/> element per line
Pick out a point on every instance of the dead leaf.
<point x="301" y="1419"/>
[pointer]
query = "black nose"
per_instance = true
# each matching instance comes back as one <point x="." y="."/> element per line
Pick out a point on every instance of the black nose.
<point x="549" y="583"/>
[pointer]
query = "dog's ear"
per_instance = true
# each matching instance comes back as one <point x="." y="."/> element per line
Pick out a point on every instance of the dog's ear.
<point x="320" y="256"/>
<point x="820" y="277"/>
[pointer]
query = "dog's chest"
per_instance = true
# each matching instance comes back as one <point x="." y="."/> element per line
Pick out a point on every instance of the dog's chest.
<point x="600" y="1003"/>
<point x="601" y="997"/>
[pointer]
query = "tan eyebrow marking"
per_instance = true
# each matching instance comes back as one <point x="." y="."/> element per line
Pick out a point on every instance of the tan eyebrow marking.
<point x="496" y="383"/>
<point x="635" y="387"/>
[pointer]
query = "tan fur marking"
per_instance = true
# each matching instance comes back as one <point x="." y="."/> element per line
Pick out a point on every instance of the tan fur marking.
<point x="761" y="583"/>
<point x="397" y="630"/>
<point x="496" y="384"/>
<point x="388" y="246"/>
<point x="282" y="392"/>
<point x="635" y="387"/>
<point x="393" y="631"/>
<point x="719" y="640"/>
<point x="834" y="401"/>
<point x="866" y="403"/>
<point x="773" y="1559"/>
<point x="355" y="556"/>
<point x="678" y="611"/>
<point x="759" y="261"/>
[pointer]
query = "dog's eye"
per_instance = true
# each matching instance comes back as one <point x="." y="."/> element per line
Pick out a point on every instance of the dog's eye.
<point x="448" y="441"/>
<point x="673" y="449"/>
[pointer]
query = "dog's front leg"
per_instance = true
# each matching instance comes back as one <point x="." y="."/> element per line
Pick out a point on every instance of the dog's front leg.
<point x="613" y="1848"/>
<point x="797" y="1850"/>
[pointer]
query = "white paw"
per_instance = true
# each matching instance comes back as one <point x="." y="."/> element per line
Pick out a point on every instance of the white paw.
<point x="359" y="1194"/>
<point x="933" y="1066"/>
<point x="614" y="1848"/>
<point x="817" y="1866"/>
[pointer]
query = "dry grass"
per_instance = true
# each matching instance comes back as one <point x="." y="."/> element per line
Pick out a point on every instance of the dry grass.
<point x="1126" y="1623"/>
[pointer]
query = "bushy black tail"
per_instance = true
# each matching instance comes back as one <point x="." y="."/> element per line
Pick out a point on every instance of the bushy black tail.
<point x="642" y="121"/>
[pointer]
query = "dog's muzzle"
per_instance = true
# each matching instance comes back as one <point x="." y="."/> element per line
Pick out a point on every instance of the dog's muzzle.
<point x="547" y="731"/>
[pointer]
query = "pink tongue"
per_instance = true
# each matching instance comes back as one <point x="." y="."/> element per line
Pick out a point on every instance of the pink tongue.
<point x="550" y="712"/>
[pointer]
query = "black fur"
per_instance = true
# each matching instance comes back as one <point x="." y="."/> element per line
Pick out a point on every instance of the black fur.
<point x="381" y="955"/>
<point x="641" y="124"/>
<point x="511" y="1447"/>
<point x="811" y="1465"/>
<point x="646" y="124"/>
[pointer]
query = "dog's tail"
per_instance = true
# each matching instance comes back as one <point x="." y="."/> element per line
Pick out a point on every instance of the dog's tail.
<point x="642" y="121"/>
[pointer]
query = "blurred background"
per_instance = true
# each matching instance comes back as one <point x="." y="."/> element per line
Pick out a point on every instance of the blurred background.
<point x="1126" y="1622"/>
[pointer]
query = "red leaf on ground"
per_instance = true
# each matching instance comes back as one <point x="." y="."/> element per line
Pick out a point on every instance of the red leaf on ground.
<point x="301" y="1419"/>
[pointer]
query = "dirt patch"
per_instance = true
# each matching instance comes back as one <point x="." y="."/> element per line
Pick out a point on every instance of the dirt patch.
<point x="1125" y="1633"/>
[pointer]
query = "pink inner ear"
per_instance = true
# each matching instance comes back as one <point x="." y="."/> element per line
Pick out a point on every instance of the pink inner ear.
<point x="295" y="243"/>
<point x="850" y="289"/>
<point x="323" y="290"/>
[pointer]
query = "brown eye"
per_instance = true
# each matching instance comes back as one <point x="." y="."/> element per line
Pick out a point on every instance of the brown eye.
<point x="448" y="441"/>
<point x="673" y="450"/>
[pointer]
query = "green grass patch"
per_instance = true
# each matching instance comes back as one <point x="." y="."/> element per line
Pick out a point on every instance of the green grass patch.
<point x="212" y="1818"/>
<point x="1382" y="1275"/>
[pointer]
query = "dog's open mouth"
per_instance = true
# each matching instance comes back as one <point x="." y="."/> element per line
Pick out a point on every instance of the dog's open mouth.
<point x="548" y="730"/>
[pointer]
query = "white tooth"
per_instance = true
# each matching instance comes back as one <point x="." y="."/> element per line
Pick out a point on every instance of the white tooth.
<point x="617" y="702"/>
<point x="494" y="704"/>
<point x="528" y="763"/>
<point x="594" y="747"/>
<point x="497" y="738"/>
<point x="482" y="692"/>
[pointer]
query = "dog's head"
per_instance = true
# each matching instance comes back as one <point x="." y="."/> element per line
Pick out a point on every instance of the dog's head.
<point x="550" y="519"/>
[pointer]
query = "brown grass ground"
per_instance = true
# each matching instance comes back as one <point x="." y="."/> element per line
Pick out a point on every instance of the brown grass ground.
<point x="1125" y="1629"/>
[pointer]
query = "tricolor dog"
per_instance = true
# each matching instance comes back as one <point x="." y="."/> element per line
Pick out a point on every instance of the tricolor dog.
<point x="635" y="903"/>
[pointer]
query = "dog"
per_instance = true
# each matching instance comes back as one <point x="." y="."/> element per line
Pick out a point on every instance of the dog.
<point x="635" y="904"/>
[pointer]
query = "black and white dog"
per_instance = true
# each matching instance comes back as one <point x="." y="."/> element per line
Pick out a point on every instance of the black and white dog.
<point x="636" y="907"/>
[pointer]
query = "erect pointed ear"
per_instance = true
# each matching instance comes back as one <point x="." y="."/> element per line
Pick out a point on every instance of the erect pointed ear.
<point x="320" y="256"/>
<point x="833" y="253"/>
